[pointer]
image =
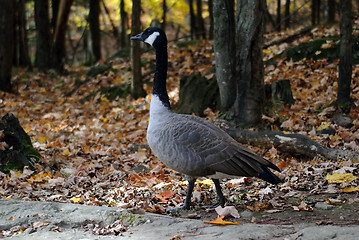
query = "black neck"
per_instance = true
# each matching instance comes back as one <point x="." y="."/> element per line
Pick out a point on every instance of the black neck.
<point x="159" y="85"/>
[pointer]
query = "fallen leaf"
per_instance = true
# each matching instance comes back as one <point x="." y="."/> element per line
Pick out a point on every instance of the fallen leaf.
<point x="227" y="211"/>
<point x="165" y="196"/>
<point x="303" y="207"/>
<point x="40" y="224"/>
<point x="340" y="177"/>
<point x="221" y="222"/>
<point x="350" y="189"/>
<point x="76" y="199"/>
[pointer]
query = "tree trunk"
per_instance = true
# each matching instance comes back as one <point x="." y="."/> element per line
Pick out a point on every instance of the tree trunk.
<point x="224" y="50"/>
<point x="315" y="12"/>
<point x="137" y="90"/>
<point x="331" y="11"/>
<point x="192" y="19"/>
<point x="55" y="10"/>
<point x="200" y="21"/>
<point x="345" y="63"/>
<point x="164" y="9"/>
<point x="278" y="23"/>
<point x="43" y="39"/>
<point x="6" y="43"/>
<point x="248" y="107"/>
<point x="60" y="33"/>
<point x="94" y="22"/>
<point x="123" y="24"/>
<point x="211" y="20"/>
<point x="21" y="56"/>
<point x="287" y="14"/>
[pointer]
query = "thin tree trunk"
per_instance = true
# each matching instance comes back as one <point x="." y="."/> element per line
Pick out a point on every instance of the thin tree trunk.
<point x="55" y="11"/>
<point x="315" y="12"/>
<point x="137" y="90"/>
<point x="279" y="20"/>
<point x="345" y="63"/>
<point x="248" y="107"/>
<point x="114" y="27"/>
<point x="60" y="34"/>
<point x="94" y="21"/>
<point x="287" y="14"/>
<point x="331" y="11"/>
<point x="24" y="58"/>
<point x="6" y="43"/>
<point x="164" y="9"/>
<point x="200" y="21"/>
<point x="192" y="19"/>
<point x="43" y="38"/>
<point x="224" y="50"/>
<point x="211" y="20"/>
<point x="123" y="24"/>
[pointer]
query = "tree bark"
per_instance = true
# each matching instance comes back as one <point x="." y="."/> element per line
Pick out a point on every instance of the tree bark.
<point x="123" y="24"/>
<point x="21" y="57"/>
<point x="211" y="20"/>
<point x="60" y="33"/>
<point x="287" y="14"/>
<point x="248" y="107"/>
<point x="331" y="11"/>
<point x="137" y="90"/>
<point x="164" y="9"/>
<point x="6" y="43"/>
<point x="94" y="22"/>
<point x="224" y="50"/>
<point x="315" y="12"/>
<point x="278" y="20"/>
<point x="43" y="38"/>
<point x="192" y="19"/>
<point x="200" y="21"/>
<point x="345" y="55"/>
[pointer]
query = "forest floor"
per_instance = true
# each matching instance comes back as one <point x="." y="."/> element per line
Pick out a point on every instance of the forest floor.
<point x="95" y="154"/>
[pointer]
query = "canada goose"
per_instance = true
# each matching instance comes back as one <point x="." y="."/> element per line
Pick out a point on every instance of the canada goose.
<point x="192" y="145"/>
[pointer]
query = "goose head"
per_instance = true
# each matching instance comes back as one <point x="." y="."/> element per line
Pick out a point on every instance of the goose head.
<point x="154" y="36"/>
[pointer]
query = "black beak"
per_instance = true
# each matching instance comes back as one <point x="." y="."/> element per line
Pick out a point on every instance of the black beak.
<point x="137" y="37"/>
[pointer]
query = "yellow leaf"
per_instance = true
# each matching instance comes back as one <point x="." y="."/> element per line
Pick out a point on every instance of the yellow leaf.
<point x="66" y="152"/>
<point x="318" y="52"/>
<point x="9" y="197"/>
<point x="207" y="181"/>
<point x="340" y="178"/>
<point x="103" y="119"/>
<point x="220" y="221"/>
<point x="104" y="99"/>
<point x="323" y="125"/>
<point x="76" y="199"/>
<point x="42" y="139"/>
<point x="350" y="189"/>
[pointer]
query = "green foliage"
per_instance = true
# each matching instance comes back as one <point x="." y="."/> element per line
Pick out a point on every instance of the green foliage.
<point x="111" y="93"/>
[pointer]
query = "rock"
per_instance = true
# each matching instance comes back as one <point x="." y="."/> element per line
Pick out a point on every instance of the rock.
<point x="343" y="120"/>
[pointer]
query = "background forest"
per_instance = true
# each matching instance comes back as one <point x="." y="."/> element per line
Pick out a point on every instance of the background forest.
<point x="81" y="91"/>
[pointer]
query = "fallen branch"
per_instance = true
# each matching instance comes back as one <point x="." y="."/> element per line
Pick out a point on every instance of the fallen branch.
<point x="294" y="144"/>
<point x="290" y="38"/>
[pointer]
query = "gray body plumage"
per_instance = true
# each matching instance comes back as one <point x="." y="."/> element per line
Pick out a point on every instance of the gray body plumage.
<point x="197" y="148"/>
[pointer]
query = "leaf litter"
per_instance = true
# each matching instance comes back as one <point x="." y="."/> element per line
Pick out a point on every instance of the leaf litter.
<point x="91" y="150"/>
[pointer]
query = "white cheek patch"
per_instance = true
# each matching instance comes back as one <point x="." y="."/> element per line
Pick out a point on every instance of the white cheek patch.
<point x="152" y="38"/>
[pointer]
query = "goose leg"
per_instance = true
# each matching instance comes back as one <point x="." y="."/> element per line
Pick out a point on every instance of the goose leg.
<point x="187" y="202"/>
<point x="221" y="200"/>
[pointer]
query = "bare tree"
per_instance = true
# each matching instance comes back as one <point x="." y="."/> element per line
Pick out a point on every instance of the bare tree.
<point x="224" y="50"/>
<point x="43" y="36"/>
<point x="6" y="43"/>
<point x="136" y="85"/>
<point x="248" y="107"/>
<point x="345" y="63"/>
<point x="94" y="22"/>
